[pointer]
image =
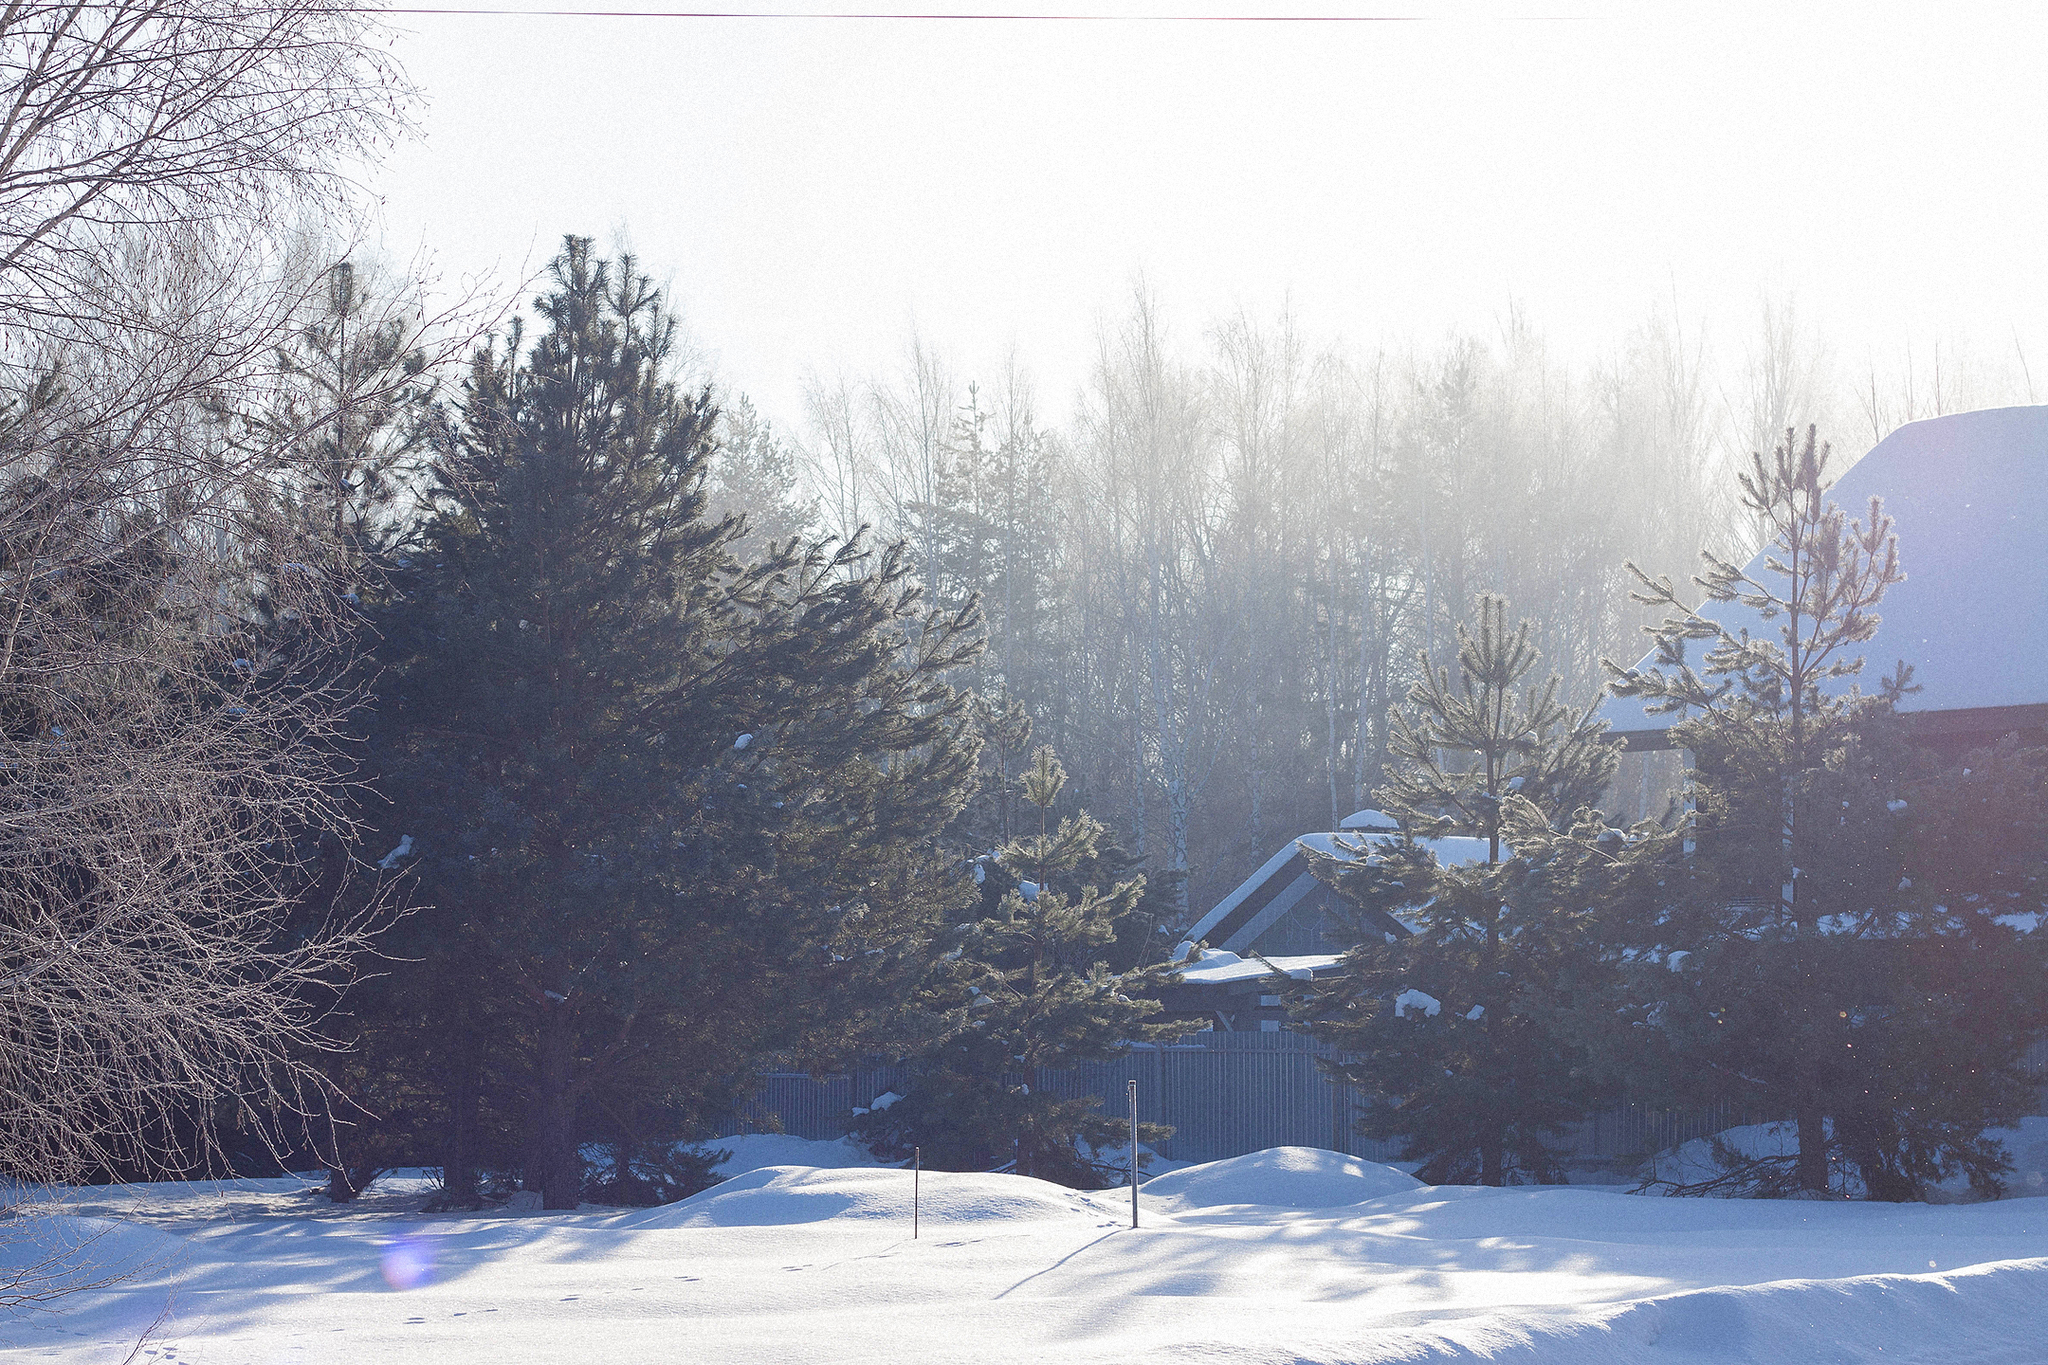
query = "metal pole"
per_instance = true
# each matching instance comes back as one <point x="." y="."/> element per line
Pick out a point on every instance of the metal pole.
<point x="1134" y="1151"/>
<point x="916" y="1181"/>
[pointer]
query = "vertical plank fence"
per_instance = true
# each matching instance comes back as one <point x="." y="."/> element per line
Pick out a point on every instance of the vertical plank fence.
<point x="1224" y="1094"/>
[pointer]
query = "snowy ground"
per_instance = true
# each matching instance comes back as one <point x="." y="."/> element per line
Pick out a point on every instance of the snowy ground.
<point x="2026" y="1146"/>
<point x="1282" y="1256"/>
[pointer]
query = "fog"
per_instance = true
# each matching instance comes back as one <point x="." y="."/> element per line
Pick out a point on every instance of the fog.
<point x="1227" y="361"/>
<point x="819" y="187"/>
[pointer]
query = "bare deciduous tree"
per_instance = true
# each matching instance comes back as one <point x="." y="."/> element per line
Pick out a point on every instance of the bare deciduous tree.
<point x="171" y="654"/>
<point x="174" y="630"/>
<point x="154" y="113"/>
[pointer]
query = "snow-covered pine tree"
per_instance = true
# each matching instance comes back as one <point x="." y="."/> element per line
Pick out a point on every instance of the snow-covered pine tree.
<point x="1819" y="978"/>
<point x="1026" y="987"/>
<point x="1457" y="1027"/>
<point x="670" y="813"/>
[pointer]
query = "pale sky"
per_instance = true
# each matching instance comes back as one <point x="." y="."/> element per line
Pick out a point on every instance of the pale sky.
<point x="814" y="188"/>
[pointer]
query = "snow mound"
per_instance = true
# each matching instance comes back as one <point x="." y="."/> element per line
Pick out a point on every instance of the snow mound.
<point x="1283" y="1177"/>
<point x="782" y="1195"/>
<point x="800" y="1264"/>
<point x="752" y="1151"/>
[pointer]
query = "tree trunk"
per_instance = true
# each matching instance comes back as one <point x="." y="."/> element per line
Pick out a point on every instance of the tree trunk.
<point x="459" y="1154"/>
<point x="348" y="1173"/>
<point x="1811" y="1173"/>
<point x="1493" y="1158"/>
<point x="557" y="1168"/>
<point x="345" y="1182"/>
<point x="1858" y="1134"/>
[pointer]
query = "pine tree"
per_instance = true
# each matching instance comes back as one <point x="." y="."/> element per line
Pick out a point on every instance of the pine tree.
<point x="1817" y="977"/>
<point x="672" y="813"/>
<point x="352" y="405"/>
<point x="1965" y="972"/>
<point x="993" y="532"/>
<point x="754" y="475"/>
<point x="990" y="819"/>
<point x="1028" y="987"/>
<point x="350" y="411"/>
<point x="1459" y="1024"/>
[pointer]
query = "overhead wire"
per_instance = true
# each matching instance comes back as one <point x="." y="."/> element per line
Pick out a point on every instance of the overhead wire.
<point x="886" y="15"/>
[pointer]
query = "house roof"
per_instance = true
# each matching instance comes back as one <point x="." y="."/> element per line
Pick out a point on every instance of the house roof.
<point x="1220" y="968"/>
<point x="1969" y="494"/>
<point x="1283" y="881"/>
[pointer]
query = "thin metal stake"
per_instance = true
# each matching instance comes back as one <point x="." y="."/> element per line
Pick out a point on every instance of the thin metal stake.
<point x="1134" y="1152"/>
<point x="916" y="1180"/>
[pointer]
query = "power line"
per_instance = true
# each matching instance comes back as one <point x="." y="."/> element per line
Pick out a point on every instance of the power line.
<point x="899" y="16"/>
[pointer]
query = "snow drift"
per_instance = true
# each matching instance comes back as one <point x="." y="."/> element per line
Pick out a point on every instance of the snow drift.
<point x="1284" y="1177"/>
<point x="783" y="1195"/>
<point x="1985" y="1315"/>
<point x="1284" y="1256"/>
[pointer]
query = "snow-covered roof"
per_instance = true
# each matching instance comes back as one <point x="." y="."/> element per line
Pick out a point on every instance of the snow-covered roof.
<point x="1453" y="851"/>
<point x="1287" y="854"/>
<point x="1969" y="494"/>
<point x="1241" y="930"/>
<point x="1218" y="968"/>
<point x="1370" y="819"/>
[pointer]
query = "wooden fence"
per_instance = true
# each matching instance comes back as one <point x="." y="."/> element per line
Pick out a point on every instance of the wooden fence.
<point x="1226" y="1094"/>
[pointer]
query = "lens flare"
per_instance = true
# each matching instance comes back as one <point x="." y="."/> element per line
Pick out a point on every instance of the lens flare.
<point x="407" y="1263"/>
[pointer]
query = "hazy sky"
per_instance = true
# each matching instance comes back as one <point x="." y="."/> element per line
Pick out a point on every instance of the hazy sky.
<point x="816" y="187"/>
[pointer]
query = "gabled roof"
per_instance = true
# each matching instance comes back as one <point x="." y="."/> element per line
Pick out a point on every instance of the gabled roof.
<point x="1969" y="494"/>
<point x="1222" y="968"/>
<point x="1284" y="880"/>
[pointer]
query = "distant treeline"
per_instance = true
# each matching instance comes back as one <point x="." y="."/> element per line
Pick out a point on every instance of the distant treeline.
<point x="1208" y="587"/>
